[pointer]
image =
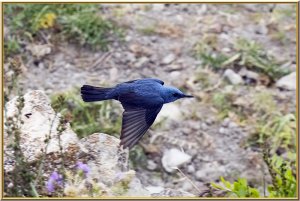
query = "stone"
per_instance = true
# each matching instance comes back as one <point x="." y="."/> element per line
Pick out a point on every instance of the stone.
<point x="39" y="120"/>
<point x="233" y="77"/>
<point x="113" y="74"/>
<point x="173" y="158"/>
<point x="129" y="57"/>
<point x="151" y="165"/>
<point x="39" y="50"/>
<point x="172" y="193"/>
<point x="155" y="189"/>
<point x="168" y="59"/>
<point x="187" y="186"/>
<point x="223" y="130"/>
<point x="287" y="82"/>
<point x="249" y="76"/>
<point x="190" y="169"/>
<point x="158" y="7"/>
<point x="210" y="172"/>
<point x="141" y="61"/>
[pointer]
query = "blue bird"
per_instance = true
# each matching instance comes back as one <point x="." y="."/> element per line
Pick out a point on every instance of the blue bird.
<point x="142" y="100"/>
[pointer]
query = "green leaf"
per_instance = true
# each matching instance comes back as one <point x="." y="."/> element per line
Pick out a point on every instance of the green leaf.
<point x="216" y="186"/>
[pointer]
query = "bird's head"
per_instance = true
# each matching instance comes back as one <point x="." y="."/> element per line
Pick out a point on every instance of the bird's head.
<point x="171" y="94"/>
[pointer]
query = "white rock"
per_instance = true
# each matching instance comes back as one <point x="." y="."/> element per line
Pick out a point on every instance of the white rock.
<point x="190" y="169"/>
<point x="140" y="62"/>
<point x="167" y="192"/>
<point x="40" y="121"/>
<point x="233" y="77"/>
<point x="155" y="189"/>
<point x="39" y="50"/>
<point x="151" y="165"/>
<point x="249" y="74"/>
<point x="114" y="74"/>
<point x="168" y="59"/>
<point x="158" y="6"/>
<point x="210" y="171"/>
<point x="287" y="82"/>
<point x="174" y="158"/>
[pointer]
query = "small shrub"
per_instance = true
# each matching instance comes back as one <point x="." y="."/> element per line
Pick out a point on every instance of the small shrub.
<point x="239" y="188"/>
<point x="280" y="131"/>
<point x="223" y="103"/>
<point x="246" y="53"/>
<point x="79" y="23"/>
<point x="204" y="52"/>
<point x="283" y="185"/>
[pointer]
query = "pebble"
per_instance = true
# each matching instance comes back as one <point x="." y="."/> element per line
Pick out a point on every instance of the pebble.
<point x="158" y="7"/>
<point x="190" y="169"/>
<point x="250" y="76"/>
<point x="204" y="126"/>
<point x="151" y="165"/>
<point x="130" y="57"/>
<point x="226" y="122"/>
<point x="141" y="61"/>
<point x="154" y="189"/>
<point x="209" y="121"/>
<point x="187" y="186"/>
<point x="233" y="77"/>
<point x="168" y="59"/>
<point x="223" y="130"/>
<point x="287" y="82"/>
<point x="173" y="158"/>
<point x="232" y="125"/>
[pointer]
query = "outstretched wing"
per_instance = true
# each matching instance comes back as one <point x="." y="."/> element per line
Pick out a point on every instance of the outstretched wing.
<point x="135" y="123"/>
<point x="146" y="80"/>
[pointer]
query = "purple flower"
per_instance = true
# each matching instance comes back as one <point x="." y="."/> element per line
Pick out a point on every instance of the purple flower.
<point x="83" y="167"/>
<point x="54" y="180"/>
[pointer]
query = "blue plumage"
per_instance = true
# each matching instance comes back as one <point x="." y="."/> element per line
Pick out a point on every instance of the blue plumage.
<point x="142" y="100"/>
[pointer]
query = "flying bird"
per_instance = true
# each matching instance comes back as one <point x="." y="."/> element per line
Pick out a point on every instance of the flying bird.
<point x="141" y="99"/>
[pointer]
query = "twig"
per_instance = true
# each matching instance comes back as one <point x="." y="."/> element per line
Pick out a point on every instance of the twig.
<point x="101" y="60"/>
<point x="215" y="86"/>
<point x="189" y="180"/>
<point x="48" y="138"/>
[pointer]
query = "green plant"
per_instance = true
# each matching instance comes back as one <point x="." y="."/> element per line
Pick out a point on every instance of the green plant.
<point x="80" y="23"/>
<point x="88" y="28"/>
<point x="239" y="188"/>
<point x="283" y="175"/>
<point x="21" y="176"/>
<point x="249" y="54"/>
<point x="283" y="185"/>
<point x="254" y="56"/>
<point x="11" y="47"/>
<point x="280" y="131"/>
<point x="88" y="118"/>
<point x="204" y="52"/>
<point x="137" y="157"/>
<point x="223" y="103"/>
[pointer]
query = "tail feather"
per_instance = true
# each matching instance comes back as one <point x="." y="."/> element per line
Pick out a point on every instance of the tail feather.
<point x="91" y="93"/>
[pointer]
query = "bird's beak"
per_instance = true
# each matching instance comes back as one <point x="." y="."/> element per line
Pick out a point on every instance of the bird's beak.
<point x="188" y="96"/>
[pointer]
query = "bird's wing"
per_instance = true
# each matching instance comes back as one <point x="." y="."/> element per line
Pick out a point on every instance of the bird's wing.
<point x="135" y="123"/>
<point x="146" y="79"/>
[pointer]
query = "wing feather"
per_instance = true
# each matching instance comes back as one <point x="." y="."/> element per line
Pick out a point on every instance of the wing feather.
<point x="135" y="123"/>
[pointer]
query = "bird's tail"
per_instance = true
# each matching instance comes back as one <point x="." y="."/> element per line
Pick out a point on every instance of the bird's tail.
<point x="91" y="93"/>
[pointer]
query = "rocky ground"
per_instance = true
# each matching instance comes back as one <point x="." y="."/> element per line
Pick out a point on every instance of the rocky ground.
<point x="159" y="42"/>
